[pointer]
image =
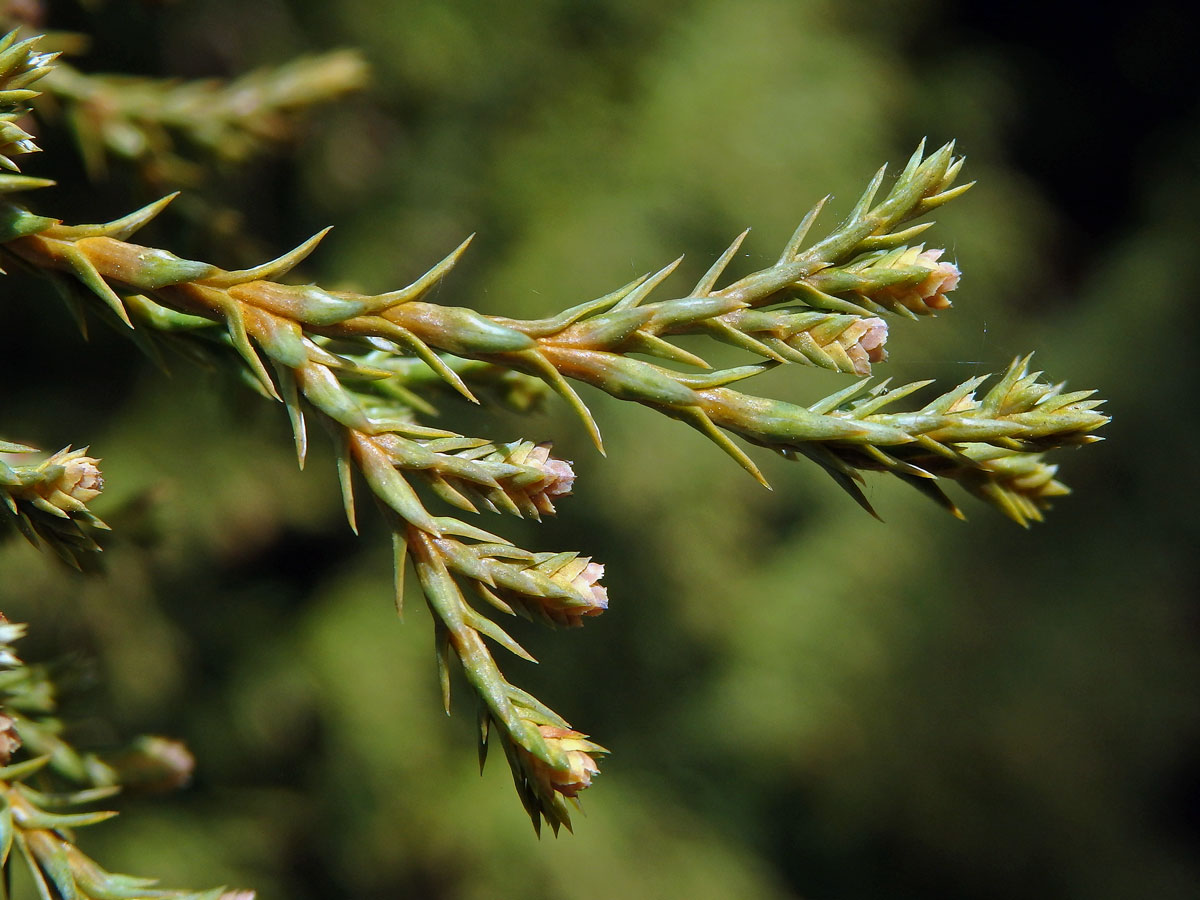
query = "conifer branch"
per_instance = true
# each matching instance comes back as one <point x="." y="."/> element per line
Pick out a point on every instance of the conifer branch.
<point x="37" y="824"/>
<point x="590" y="343"/>
<point x="550" y="762"/>
<point x="362" y="366"/>
<point x="146" y="120"/>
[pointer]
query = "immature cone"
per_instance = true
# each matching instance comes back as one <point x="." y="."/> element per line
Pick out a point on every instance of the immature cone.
<point x="868" y="336"/>
<point x="929" y="294"/>
<point x="561" y="588"/>
<point x="67" y="481"/>
<point x="81" y="479"/>
<point x="556" y="479"/>
<point x="589" y="581"/>
<point x="908" y="280"/>
<point x="560" y="477"/>
<point x="578" y="772"/>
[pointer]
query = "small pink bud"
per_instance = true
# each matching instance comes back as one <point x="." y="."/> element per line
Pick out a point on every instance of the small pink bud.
<point x="865" y="341"/>
<point x="81" y="478"/>
<point x="69" y="479"/>
<point x="927" y="295"/>
<point x="580" y="767"/>
<point x="557" y="477"/>
<point x="560" y="477"/>
<point x="874" y="339"/>
<point x="588" y="580"/>
<point x="942" y="279"/>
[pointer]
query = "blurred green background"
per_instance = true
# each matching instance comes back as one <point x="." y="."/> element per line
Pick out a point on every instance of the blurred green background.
<point x="800" y="701"/>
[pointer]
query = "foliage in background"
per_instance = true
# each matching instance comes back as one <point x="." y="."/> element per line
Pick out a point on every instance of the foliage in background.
<point x="708" y="671"/>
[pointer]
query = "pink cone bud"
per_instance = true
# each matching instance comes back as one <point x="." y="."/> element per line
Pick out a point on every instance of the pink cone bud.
<point x="942" y="279"/>
<point x="580" y="767"/>
<point x="81" y="478"/>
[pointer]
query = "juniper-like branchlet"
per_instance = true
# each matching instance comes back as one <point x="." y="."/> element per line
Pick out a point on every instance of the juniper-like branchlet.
<point x="145" y="120"/>
<point x="362" y="365"/>
<point x="48" y="501"/>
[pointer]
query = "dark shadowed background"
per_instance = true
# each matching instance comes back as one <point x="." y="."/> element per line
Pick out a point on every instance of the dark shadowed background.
<point x="800" y="701"/>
